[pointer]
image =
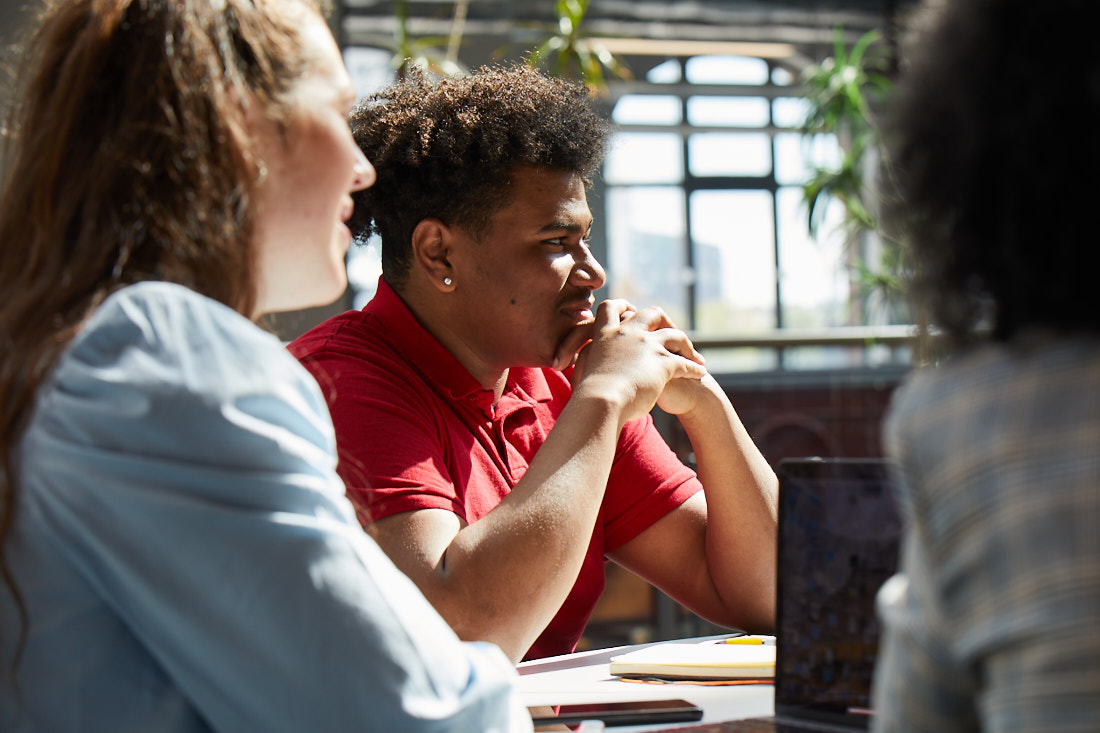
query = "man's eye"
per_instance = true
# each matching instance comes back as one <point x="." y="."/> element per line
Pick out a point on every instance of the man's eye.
<point x="555" y="242"/>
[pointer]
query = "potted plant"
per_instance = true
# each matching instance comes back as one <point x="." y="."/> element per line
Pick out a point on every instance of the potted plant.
<point x="842" y="93"/>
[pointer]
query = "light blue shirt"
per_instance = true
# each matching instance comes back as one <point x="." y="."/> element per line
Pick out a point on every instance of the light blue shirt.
<point x="189" y="561"/>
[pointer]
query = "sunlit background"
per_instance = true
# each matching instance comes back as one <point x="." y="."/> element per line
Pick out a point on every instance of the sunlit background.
<point x="700" y="205"/>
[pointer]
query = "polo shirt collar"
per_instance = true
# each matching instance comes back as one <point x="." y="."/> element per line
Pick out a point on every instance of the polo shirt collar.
<point x="438" y="365"/>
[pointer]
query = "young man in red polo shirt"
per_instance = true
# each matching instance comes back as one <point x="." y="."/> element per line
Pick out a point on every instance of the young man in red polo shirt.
<point x="497" y="466"/>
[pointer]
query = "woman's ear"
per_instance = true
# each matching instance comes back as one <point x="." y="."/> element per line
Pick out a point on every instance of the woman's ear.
<point x="431" y="248"/>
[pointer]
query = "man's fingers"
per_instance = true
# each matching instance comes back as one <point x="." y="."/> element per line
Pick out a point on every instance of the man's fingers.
<point x="611" y="313"/>
<point x="689" y="369"/>
<point x="572" y="343"/>
<point x="653" y="319"/>
<point x="678" y="343"/>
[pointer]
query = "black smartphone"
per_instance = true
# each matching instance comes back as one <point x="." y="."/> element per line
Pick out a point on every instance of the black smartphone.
<point x="635" y="712"/>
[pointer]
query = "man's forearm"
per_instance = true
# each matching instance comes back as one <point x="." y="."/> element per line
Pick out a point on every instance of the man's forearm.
<point x="742" y="494"/>
<point x="504" y="577"/>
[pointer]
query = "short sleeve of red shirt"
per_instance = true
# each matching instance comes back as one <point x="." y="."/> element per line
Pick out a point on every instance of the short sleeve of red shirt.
<point x="647" y="482"/>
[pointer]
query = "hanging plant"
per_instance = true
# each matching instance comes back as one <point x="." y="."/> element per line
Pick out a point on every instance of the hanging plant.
<point x="842" y="93"/>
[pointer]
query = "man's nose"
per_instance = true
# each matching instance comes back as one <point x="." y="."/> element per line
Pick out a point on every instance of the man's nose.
<point x="587" y="271"/>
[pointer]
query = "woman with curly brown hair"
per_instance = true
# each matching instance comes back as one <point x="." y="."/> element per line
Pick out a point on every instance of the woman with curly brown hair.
<point x="177" y="550"/>
<point x="993" y="623"/>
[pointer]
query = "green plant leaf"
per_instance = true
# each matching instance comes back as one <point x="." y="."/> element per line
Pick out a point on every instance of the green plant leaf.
<point x="855" y="58"/>
<point x="567" y="52"/>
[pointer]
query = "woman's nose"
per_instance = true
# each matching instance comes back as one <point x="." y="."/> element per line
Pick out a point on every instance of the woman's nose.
<point x="364" y="172"/>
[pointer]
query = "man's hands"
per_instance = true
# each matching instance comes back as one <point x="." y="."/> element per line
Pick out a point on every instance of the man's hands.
<point x="636" y="359"/>
<point x="716" y="552"/>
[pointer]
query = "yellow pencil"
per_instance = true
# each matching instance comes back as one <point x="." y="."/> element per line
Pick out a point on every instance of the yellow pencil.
<point x="747" y="639"/>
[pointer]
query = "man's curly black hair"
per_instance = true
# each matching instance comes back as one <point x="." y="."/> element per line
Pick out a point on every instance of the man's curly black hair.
<point x="447" y="150"/>
<point x="991" y="148"/>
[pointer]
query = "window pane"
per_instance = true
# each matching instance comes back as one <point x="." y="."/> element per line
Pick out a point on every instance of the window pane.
<point x="781" y="77"/>
<point x="364" y="263"/>
<point x="734" y="250"/>
<point x="789" y="111"/>
<point x="666" y="72"/>
<point x="726" y="70"/>
<point x="369" y="68"/>
<point x="814" y="283"/>
<point x="730" y="154"/>
<point x="796" y="156"/>
<point x="647" y="109"/>
<point x="646" y="261"/>
<point x="643" y="157"/>
<point x="728" y="111"/>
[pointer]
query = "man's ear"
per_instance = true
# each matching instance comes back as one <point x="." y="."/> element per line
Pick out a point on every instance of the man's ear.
<point x="431" y="249"/>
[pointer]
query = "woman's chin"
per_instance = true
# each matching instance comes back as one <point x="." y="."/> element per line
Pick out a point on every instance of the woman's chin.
<point x="295" y="297"/>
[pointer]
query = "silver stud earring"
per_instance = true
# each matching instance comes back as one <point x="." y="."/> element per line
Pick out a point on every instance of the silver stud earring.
<point x="447" y="281"/>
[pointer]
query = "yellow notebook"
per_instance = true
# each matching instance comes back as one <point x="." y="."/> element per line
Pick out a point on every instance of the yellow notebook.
<point x="702" y="660"/>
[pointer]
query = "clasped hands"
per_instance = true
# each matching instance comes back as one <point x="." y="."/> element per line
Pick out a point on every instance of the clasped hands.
<point x="636" y="357"/>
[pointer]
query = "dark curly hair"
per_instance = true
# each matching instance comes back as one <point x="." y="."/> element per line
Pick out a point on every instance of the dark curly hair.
<point x="447" y="150"/>
<point x="990" y="144"/>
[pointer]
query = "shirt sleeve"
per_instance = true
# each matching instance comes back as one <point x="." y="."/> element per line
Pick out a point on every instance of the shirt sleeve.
<point x="919" y="685"/>
<point x="647" y="481"/>
<point x="191" y="481"/>
<point x="992" y="622"/>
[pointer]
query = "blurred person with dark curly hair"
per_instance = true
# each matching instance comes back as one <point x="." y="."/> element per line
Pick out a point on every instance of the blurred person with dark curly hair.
<point x="499" y="467"/>
<point x="993" y="622"/>
<point x="177" y="551"/>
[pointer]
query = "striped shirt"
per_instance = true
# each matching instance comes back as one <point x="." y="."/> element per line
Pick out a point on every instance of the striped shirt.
<point x="993" y="623"/>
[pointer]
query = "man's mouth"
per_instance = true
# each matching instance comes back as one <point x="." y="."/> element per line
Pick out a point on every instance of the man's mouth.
<point x="580" y="313"/>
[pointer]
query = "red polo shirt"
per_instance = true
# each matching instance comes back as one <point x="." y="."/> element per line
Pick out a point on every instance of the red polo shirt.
<point x="414" y="430"/>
